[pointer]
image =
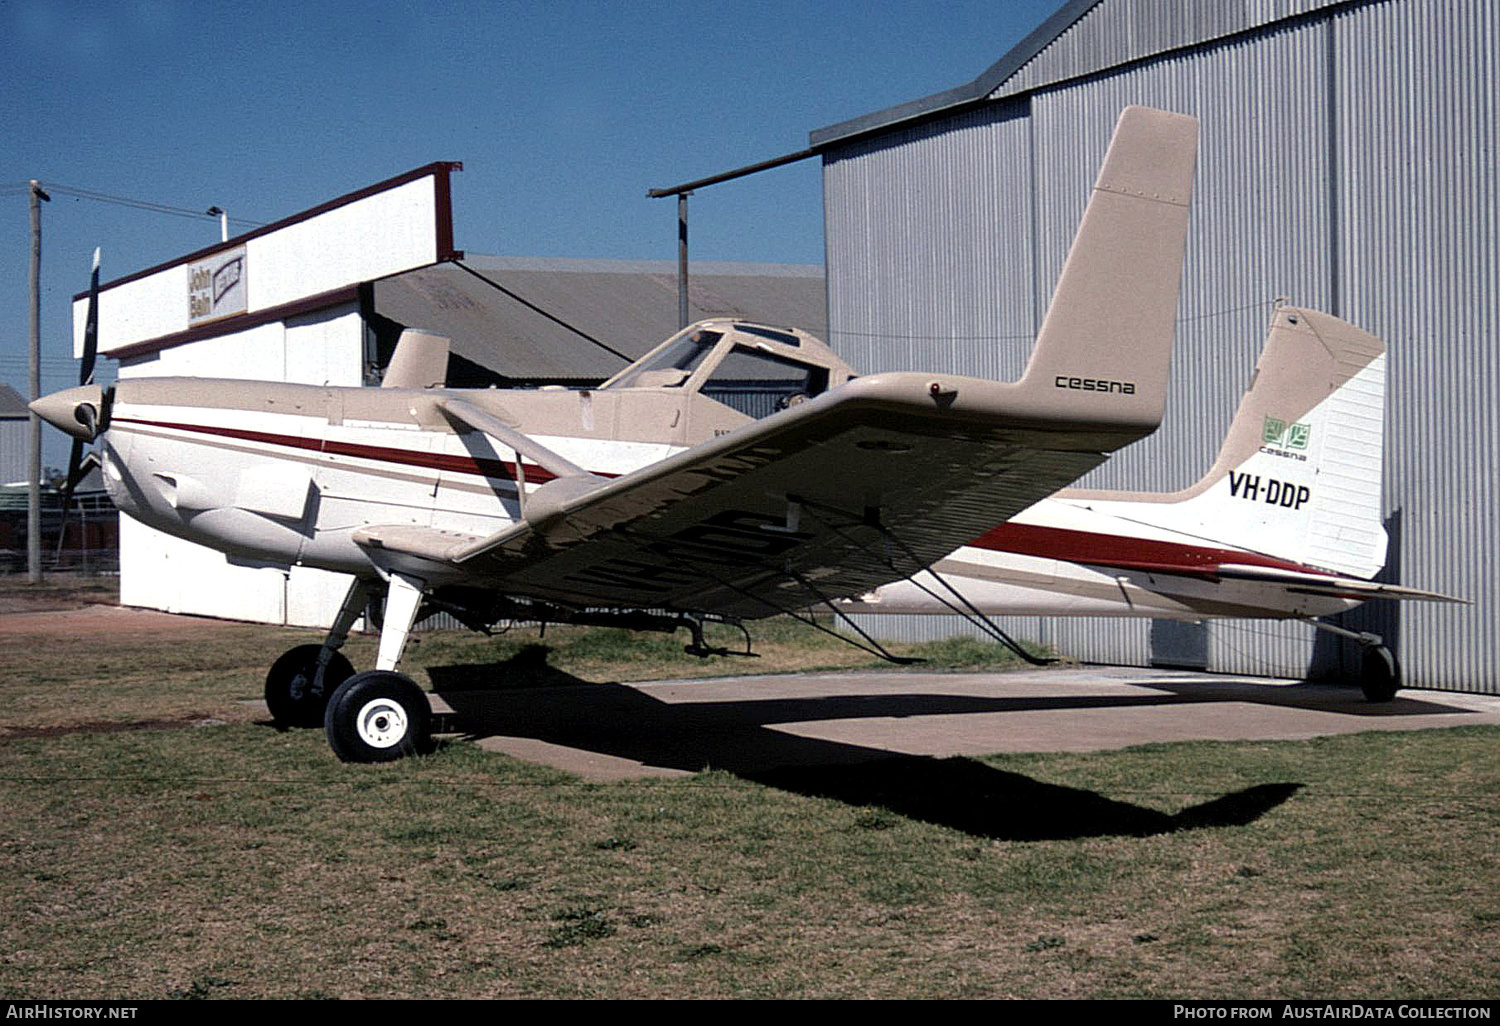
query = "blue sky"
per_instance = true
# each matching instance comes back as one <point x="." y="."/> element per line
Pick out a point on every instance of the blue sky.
<point x="562" y="113"/>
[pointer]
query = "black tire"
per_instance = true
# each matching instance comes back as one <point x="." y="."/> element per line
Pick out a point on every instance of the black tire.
<point x="290" y="694"/>
<point x="378" y="716"/>
<point x="1380" y="674"/>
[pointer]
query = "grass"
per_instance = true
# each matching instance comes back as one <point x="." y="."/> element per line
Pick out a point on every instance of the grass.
<point x="225" y="859"/>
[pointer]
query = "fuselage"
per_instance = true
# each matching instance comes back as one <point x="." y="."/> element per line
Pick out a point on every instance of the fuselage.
<point x="284" y="474"/>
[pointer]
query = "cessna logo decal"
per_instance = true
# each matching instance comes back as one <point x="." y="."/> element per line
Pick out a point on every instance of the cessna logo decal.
<point x="1278" y="432"/>
<point x="1270" y="491"/>
<point x="1094" y="385"/>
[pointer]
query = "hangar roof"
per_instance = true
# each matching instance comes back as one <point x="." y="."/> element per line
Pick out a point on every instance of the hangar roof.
<point x="555" y="319"/>
<point x="11" y="403"/>
<point x="1082" y="37"/>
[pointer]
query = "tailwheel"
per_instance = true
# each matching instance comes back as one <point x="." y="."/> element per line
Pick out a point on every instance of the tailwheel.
<point x="378" y="716"/>
<point x="294" y="694"/>
<point x="1380" y="674"/>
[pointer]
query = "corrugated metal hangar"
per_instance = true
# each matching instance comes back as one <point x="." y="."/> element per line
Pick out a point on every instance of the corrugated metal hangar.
<point x="15" y="425"/>
<point x="1347" y="162"/>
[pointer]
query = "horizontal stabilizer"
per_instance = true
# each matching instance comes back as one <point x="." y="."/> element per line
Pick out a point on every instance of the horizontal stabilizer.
<point x="1323" y="584"/>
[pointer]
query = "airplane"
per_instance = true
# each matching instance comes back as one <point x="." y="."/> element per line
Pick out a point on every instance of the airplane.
<point x="736" y="471"/>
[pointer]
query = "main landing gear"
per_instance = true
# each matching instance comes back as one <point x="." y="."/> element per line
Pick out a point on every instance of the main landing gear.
<point x="375" y="716"/>
<point x="1379" y="671"/>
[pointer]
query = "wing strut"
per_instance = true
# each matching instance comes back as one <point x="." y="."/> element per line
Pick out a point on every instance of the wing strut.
<point x="873" y="647"/>
<point x="508" y="436"/>
<point x="969" y="611"/>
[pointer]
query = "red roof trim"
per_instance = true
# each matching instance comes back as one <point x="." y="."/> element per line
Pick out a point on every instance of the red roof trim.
<point x="238" y="322"/>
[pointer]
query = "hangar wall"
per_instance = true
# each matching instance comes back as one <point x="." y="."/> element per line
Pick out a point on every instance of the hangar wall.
<point x="15" y="437"/>
<point x="1346" y="162"/>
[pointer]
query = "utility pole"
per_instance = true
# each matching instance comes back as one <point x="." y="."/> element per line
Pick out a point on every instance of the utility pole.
<point x="34" y="491"/>
<point x="223" y="223"/>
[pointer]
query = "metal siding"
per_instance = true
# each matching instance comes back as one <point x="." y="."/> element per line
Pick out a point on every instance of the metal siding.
<point x="1259" y="230"/>
<point x="15" y="448"/>
<point x="927" y="627"/>
<point x="930" y="250"/>
<point x="1346" y="162"/>
<point x="1117" y="32"/>
<point x="1418" y="228"/>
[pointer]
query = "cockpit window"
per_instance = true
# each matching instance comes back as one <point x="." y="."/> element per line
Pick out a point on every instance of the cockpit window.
<point x="673" y="365"/>
<point x="784" y="337"/>
<point x="758" y="384"/>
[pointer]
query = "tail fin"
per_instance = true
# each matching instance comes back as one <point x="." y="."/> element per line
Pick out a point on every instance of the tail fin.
<point x="1299" y="474"/>
<point x="420" y="361"/>
<point x="1106" y="342"/>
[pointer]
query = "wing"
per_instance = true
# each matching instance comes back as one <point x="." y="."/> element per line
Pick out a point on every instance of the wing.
<point x="882" y="476"/>
<point x="861" y="486"/>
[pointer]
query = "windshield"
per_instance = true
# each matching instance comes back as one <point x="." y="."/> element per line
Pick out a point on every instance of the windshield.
<point x="759" y="383"/>
<point x="673" y="365"/>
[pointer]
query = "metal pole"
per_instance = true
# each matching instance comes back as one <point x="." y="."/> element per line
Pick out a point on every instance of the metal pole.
<point x="682" y="263"/>
<point x="34" y="488"/>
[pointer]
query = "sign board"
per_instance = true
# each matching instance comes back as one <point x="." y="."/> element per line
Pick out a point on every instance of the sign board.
<point x="216" y="287"/>
<point x="309" y="261"/>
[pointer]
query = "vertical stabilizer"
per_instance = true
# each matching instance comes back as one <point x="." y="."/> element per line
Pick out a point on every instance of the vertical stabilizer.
<point x="1299" y="474"/>
<point x="1105" y="345"/>
<point x="420" y="361"/>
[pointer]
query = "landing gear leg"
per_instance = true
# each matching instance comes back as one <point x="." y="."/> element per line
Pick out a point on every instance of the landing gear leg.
<point x="299" y="683"/>
<point x="381" y="715"/>
<point x="1380" y="674"/>
<point x="1379" y="671"/>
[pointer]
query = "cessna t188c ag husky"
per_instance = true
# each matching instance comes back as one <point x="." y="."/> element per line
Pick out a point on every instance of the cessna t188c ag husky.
<point x="734" y="472"/>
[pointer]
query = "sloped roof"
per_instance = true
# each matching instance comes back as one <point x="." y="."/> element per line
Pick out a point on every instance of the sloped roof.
<point x="11" y="403"/>
<point x="1082" y="37"/>
<point x="550" y="319"/>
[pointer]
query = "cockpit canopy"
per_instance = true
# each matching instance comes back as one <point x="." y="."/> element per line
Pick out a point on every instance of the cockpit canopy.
<point x="751" y="368"/>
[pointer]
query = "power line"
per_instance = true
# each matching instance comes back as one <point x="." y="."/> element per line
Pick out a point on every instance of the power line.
<point x="17" y="188"/>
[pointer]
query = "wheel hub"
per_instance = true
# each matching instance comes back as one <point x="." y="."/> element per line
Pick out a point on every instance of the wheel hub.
<point x="381" y="723"/>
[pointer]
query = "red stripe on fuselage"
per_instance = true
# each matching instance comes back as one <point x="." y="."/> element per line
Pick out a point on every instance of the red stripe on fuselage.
<point x="1125" y="553"/>
<point x="380" y="453"/>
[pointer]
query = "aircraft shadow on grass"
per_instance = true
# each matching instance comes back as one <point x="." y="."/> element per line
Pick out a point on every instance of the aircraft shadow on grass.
<point x="544" y="703"/>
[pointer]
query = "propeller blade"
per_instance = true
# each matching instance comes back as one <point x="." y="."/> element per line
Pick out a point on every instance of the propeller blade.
<point x="75" y="474"/>
<point x="76" y="468"/>
<point x="91" y="328"/>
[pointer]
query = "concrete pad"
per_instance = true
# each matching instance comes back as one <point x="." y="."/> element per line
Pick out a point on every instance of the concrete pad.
<point x="755" y="724"/>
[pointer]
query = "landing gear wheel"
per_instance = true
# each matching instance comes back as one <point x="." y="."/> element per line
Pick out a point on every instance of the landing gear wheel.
<point x="290" y="693"/>
<point x="377" y="716"/>
<point x="1380" y="674"/>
